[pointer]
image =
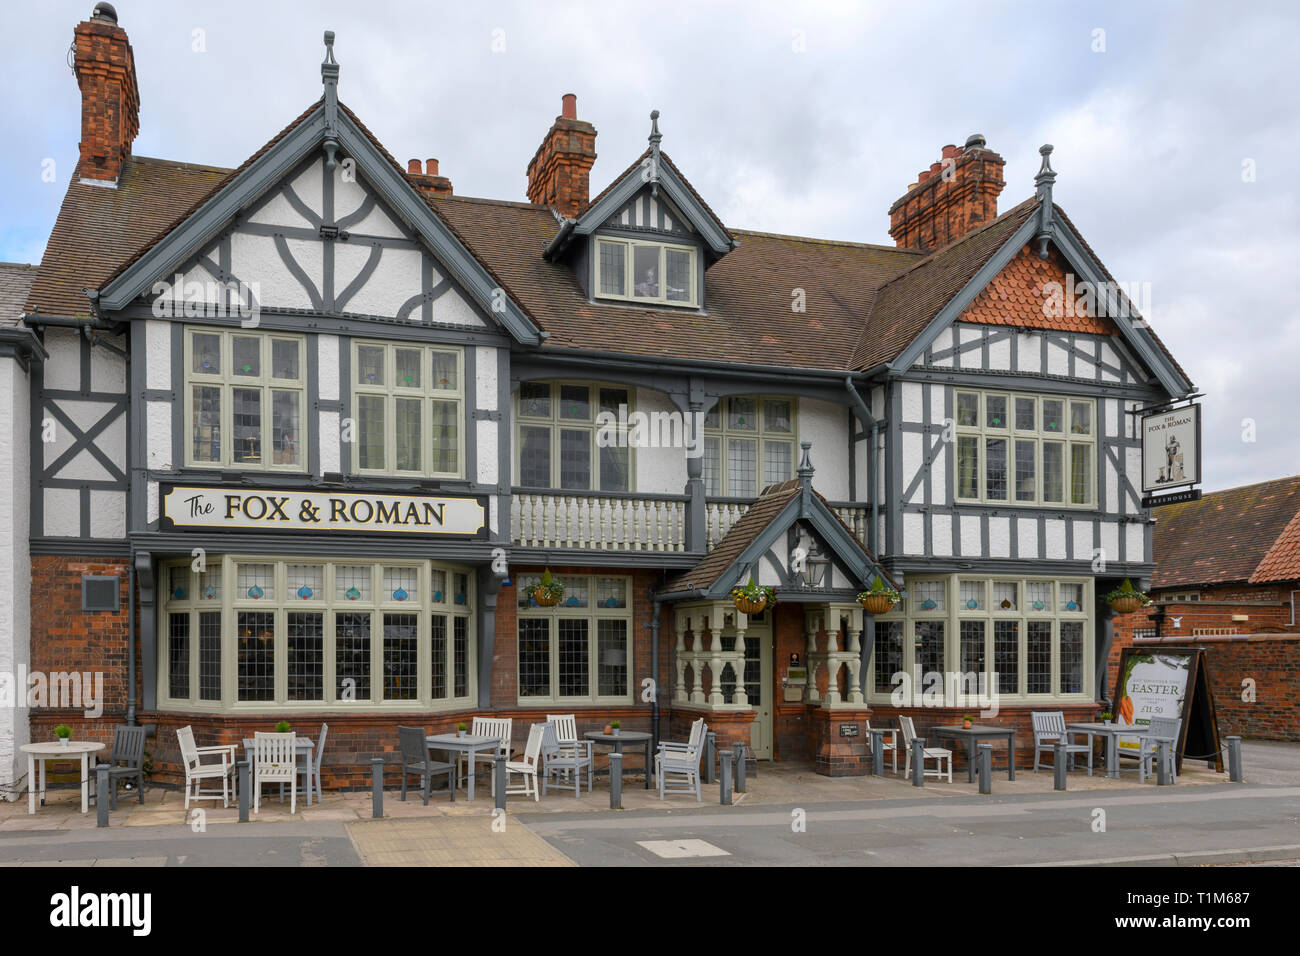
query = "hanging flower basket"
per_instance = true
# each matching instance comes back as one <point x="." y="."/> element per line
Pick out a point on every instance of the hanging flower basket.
<point x="753" y="598"/>
<point x="549" y="592"/>
<point x="1126" y="599"/>
<point x="880" y="599"/>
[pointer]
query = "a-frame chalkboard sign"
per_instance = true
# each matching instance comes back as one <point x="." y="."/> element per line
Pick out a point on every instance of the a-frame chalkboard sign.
<point x="1164" y="681"/>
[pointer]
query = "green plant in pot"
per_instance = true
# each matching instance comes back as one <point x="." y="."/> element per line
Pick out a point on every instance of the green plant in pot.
<point x="1105" y="716"/>
<point x="968" y="721"/>
<point x="461" y="728"/>
<point x="549" y="592"/>
<point x="753" y="598"/>
<point x="64" y="733"/>
<point x="879" y="598"/>
<point x="1126" y="599"/>
<point x="614" y="725"/>
<point x="283" y="727"/>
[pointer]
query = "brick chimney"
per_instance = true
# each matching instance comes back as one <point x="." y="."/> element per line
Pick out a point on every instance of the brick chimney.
<point x="110" y="96"/>
<point x="950" y="198"/>
<point x="428" y="181"/>
<point x="559" y="172"/>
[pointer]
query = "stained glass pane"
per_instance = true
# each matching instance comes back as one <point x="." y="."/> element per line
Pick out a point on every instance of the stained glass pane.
<point x="402" y="584"/>
<point x="370" y="431"/>
<point x="1026" y="481"/>
<point x="285" y="361"/>
<point x="995" y="411"/>
<point x="968" y="409"/>
<point x="352" y="583"/>
<point x="968" y="466"/>
<point x="286" y="434"/>
<point x="207" y="423"/>
<point x="445" y="436"/>
<point x="1053" y="471"/>
<point x="370" y="365"/>
<point x="407" y="364"/>
<point x="205" y="354"/>
<point x="255" y="582"/>
<point x="575" y="402"/>
<point x="1026" y="415"/>
<point x="535" y="400"/>
<point x="305" y="582"/>
<point x="445" y="376"/>
<point x="246" y="360"/>
<point x="408" y="437"/>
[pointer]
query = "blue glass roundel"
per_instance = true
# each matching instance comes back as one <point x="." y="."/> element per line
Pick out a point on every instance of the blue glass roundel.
<point x="437" y="596"/>
<point x="400" y="594"/>
<point x="460" y="598"/>
<point x="179" y="594"/>
<point x="1072" y="606"/>
<point x="305" y="592"/>
<point x="1038" y="605"/>
<point x="928" y="605"/>
<point x="572" y="601"/>
<point x="209" y="592"/>
<point x="352" y="594"/>
<point x="972" y="604"/>
<point x="255" y="592"/>
<point x="611" y="602"/>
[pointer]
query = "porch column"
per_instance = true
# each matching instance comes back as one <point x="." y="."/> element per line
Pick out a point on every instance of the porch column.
<point x="679" y="656"/>
<point x="741" y="696"/>
<point x="697" y="661"/>
<point x="811" y="622"/>
<point x="854" y="660"/>
<point x="715" y="660"/>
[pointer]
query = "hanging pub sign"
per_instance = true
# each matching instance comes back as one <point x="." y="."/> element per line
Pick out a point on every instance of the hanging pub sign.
<point x="203" y="508"/>
<point x="1170" y="682"/>
<point x="1171" y="448"/>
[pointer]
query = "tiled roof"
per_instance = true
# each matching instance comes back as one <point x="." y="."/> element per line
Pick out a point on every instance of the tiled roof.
<point x="1228" y="536"/>
<point x="1017" y="296"/>
<point x="15" y="283"/>
<point x="738" y="537"/>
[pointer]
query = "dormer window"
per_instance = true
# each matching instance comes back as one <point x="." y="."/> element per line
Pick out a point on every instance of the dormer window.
<point x="650" y="272"/>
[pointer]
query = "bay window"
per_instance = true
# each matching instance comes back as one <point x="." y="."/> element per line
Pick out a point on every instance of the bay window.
<point x="407" y="409"/>
<point x="1025" y="449"/>
<point x="243" y="396"/>
<point x="311" y="634"/>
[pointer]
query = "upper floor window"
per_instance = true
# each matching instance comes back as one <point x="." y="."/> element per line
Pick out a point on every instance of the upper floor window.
<point x="244" y="400"/>
<point x="407" y="401"/>
<point x="558" y="437"/>
<point x="1025" y="449"/>
<point x="749" y="444"/>
<point x="646" y="271"/>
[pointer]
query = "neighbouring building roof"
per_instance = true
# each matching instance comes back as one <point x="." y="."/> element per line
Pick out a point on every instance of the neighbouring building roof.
<point x="1250" y="534"/>
<point x="15" y="283"/>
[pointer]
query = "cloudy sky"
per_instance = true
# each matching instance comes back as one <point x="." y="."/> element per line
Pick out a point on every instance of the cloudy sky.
<point x="1176" y="129"/>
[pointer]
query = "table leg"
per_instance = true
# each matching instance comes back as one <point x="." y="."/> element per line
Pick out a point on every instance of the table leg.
<point x="44" y="765"/>
<point x="31" y="783"/>
<point x="1011" y="756"/>
<point x="469" y="770"/>
<point x="1112" y="756"/>
<point x="85" y="782"/>
<point x="970" y="760"/>
<point x="648" y="765"/>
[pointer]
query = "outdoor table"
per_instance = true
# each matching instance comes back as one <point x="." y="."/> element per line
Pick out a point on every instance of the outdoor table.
<point x="53" y="750"/>
<point x="469" y="744"/>
<point x="299" y="745"/>
<point x="974" y="735"/>
<point x="626" y="737"/>
<point x="1112" y="733"/>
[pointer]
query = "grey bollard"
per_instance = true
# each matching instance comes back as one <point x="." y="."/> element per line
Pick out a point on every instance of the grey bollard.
<point x="616" y="781"/>
<point x="103" y="795"/>
<point x="725" y="791"/>
<point x="1060" y="764"/>
<point x="740" y="768"/>
<point x="499" y="781"/>
<point x="878" y="753"/>
<point x="918" y="762"/>
<point x="986" y="768"/>
<point x="1163" y="776"/>
<point x="710" y="754"/>
<point x="245" y="789"/>
<point x="1234" y="760"/>
<point x="377" y="787"/>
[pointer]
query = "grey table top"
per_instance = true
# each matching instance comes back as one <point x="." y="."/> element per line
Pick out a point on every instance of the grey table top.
<point x="1123" y="730"/>
<point x="976" y="730"/>
<point x="453" y="742"/>
<point x="633" y="736"/>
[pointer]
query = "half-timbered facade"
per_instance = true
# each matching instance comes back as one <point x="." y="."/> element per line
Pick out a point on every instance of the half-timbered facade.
<point x="321" y="425"/>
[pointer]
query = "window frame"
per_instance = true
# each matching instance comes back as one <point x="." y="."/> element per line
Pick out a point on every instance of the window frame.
<point x="281" y="604"/>
<point x="391" y="394"/>
<point x="592" y="615"/>
<point x="227" y="382"/>
<point x="725" y="434"/>
<point x="555" y="424"/>
<point x="982" y="432"/>
<point x="629" y="256"/>
<point x="956" y="613"/>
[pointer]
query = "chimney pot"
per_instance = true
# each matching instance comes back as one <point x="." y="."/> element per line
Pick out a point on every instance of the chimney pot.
<point x="413" y="167"/>
<point x="569" y="106"/>
<point x="431" y="167"/>
<point x="950" y="152"/>
<point x="559" y="173"/>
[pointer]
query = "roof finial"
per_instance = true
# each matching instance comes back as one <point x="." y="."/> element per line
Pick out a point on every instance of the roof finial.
<point x="655" y="138"/>
<point x="329" y="75"/>
<point x="805" y="464"/>
<point x="1043" y="192"/>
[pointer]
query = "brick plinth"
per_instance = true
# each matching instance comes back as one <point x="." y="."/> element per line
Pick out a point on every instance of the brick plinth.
<point x="833" y="753"/>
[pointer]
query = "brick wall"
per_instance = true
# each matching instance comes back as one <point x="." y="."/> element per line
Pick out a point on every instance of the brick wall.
<point x="559" y="173"/>
<point x="110" y="97"/>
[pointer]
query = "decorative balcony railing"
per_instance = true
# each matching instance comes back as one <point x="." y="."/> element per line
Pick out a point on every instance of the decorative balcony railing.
<point x="598" y="520"/>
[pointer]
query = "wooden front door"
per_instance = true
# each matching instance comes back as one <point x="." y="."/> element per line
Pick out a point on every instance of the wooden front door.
<point x="758" y="685"/>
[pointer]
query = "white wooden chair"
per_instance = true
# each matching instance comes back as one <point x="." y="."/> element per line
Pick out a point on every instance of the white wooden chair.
<point x="568" y="755"/>
<point x="891" y="747"/>
<point x="275" y="762"/>
<point x="1049" y="727"/>
<point x="682" y="761"/>
<point x="196" y="771"/>
<point x="1160" y="728"/>
<point x="937" y="754"/>
<point x="527" y="767"/>
<point x="499" y="727"/>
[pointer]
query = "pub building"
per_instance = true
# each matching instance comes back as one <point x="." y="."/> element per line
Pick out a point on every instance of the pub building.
<point x="299" y="440"/>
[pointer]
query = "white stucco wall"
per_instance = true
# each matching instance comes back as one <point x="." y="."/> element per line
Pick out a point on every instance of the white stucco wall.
<point x="825" y="424"/>
<point x="15" y="563"/>
<point x="658" y="470"/>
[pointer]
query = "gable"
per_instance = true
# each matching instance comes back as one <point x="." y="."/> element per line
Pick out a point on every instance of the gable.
<point x="325" y="242"/>
<point x="653" y="214"/>
<point x="1030" y="292"/>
